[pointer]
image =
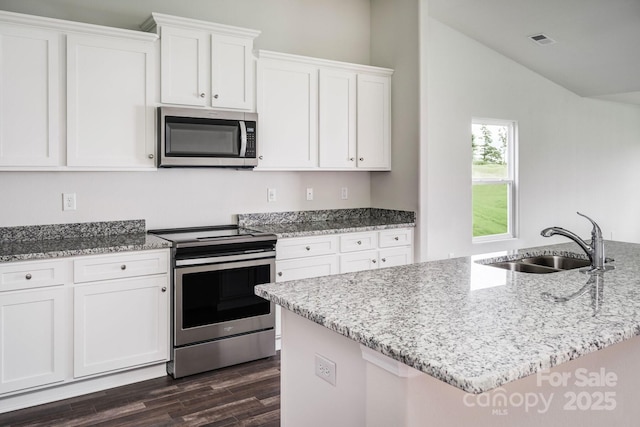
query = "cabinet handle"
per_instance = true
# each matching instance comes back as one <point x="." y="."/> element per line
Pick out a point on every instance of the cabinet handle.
<point x="308" y="248"/>
<point x="396" y="238"/>
<point x="362" y="159"/>
<point x="280" y="273"/>
<point x="215" y="96"/>
<point x="164" y="289"/>
<point x="123" y="267"/>
<point x="28" y="276"/>
<point x="351" y="159"/>
<point x="373" y="261"/>
<point x="202" y="95"/>
<point x="383" y="260"/>
<point x="359" y="242"/>
<point x="151" y="156"/>
<point x="260" y="157"/>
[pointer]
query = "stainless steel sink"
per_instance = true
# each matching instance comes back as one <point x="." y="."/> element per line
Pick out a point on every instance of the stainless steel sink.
<point x="542" y="264"/>
<point x="556" y="261"/>
<point x="523" y="267"/>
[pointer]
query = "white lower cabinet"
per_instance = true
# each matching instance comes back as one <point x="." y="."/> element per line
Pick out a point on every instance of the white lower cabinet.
<point x="315" y="256"/>
<point x="120" y="323"/>
<point x="34" y="338"/>
<point x="71" y="318"/>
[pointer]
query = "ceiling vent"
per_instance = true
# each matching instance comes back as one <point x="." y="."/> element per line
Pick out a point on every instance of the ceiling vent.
<point x="541" y="39"/>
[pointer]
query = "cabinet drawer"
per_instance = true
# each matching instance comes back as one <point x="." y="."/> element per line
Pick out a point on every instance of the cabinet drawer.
<point x="116" y="266"/>
<point x="307" y="267"/>
<point x="33" y="274"/>
<point x="396" y="256"/>
<point x="358" y="261"/>
<point x="298" y="247"/>
<point x="395" y="237"/>
<point x="358" y="242"/>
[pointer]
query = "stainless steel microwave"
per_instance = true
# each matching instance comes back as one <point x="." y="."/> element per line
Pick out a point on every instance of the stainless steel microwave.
<point x="200" y="138"/>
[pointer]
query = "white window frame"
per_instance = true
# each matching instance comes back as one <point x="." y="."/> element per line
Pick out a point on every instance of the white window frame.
<point x="511" y="181"/>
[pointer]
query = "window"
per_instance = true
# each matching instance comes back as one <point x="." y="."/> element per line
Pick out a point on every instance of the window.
<point x="493" y="177"/>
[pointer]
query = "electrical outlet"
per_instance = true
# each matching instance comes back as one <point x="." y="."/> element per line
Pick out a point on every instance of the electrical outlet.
<point x="68" y="201"/>
<point x="309" y="193"/>
<point x="271" y="194"/>
<point x="326" y="369"/>
<point x="344" y="193"/>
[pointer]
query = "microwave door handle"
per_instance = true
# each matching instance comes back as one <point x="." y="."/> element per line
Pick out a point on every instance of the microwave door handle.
<point x="243" y="138"/>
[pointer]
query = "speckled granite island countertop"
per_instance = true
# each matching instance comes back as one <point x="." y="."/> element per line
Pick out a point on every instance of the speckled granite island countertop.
<point x="475" y="326"/>
<point x="62" y="240"/>
<point x="332" y="221"/>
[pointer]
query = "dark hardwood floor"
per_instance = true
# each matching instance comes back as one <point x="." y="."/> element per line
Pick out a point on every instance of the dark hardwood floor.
<point x="242" y="395"/>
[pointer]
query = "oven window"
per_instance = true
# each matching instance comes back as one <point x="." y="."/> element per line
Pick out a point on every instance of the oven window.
<point x="219" y="138"/>
<point x="217" y="296"/>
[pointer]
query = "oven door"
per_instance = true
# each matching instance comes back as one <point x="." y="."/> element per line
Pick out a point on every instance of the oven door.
<point x="217" y="300"/>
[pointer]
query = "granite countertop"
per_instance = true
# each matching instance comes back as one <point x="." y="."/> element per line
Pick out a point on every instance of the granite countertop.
<point x="333" y="221"/>
<point x="63" y="240"/>
<point x="474" y="326"/>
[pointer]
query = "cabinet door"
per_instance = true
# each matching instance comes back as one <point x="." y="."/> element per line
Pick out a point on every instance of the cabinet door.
<point x="184" y="67"/>
<point x="232" y="72"/>
<point x="358" y="261"/>
<point x="110" y="116"/>
<point x="119" y="324"/>
<point x="374" y="122"/>
<point x="33" y="338"/>
<point x="337" y="119"/>
<point x="288" y="110"/>
<point x="395" y="256"/>
<point x="304" y="268"/>
<point x="29" y="96"/>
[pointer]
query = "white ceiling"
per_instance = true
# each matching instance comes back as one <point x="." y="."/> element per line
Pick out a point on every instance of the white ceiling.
<point x="597" y="53"/>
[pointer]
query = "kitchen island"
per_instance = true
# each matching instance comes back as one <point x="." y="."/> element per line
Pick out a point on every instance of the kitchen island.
<point x="456" y="342"/>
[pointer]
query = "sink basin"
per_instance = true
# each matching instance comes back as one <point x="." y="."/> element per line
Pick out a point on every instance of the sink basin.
<point x="556" y="261"/>
<point x="542" y="264"/>
<point x="523" y="267"/>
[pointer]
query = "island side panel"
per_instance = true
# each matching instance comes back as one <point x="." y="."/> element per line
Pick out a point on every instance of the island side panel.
<point x="307" y="400"/>
<point x="598" y="389"/>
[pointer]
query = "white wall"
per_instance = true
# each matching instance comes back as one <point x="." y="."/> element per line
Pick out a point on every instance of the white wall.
<point x="332" y="29"/>
<point x="574" y="153"/>
<point x="395" y="44"/>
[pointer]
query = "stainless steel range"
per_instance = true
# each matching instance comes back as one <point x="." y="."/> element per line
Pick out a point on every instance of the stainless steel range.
<point x="217" y="319"/>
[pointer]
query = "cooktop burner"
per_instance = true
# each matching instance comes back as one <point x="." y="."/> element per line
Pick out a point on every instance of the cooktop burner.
<point x="212" y="235"/>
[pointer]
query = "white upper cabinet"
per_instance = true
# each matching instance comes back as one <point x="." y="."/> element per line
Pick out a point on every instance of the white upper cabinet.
<point x="322" y="115"/>
<point x="29" y="96"/>
<point x="374" y="123"/>
<point x="110" y="111"/>
<point x="337" y="119"/>
<point x="105" y="120"/>
<point x="232" y="72"/>
<point x="205" y="64"/>
<point x="287" y="114"/>
<point x="183" y="56"/>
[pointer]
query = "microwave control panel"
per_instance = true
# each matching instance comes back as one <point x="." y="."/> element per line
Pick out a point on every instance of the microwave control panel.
<point x="251" y="140"/>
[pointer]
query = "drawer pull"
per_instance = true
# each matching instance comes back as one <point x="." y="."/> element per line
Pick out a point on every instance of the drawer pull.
<point x="308" y="248"/>
<point x="373" y="261"/>
<point x="164" y="289"/>
<point x="280" y="273"/>
<point x="396" y="238"/>
<point x="28" y="276"/>
<point x="359" y="242"/>
<point x="383" y="260"/>
<point x="123" y="267"/>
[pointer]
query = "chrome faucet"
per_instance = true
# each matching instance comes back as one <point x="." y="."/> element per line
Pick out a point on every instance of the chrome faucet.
<point x="595" y="251"/>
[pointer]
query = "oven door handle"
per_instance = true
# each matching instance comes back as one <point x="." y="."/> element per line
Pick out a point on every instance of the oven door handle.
<point x="225" y="258"/>
<point x="243" y="138"/>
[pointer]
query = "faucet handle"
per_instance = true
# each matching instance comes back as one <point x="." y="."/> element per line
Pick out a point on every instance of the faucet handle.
<point x="595" y="232"/>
